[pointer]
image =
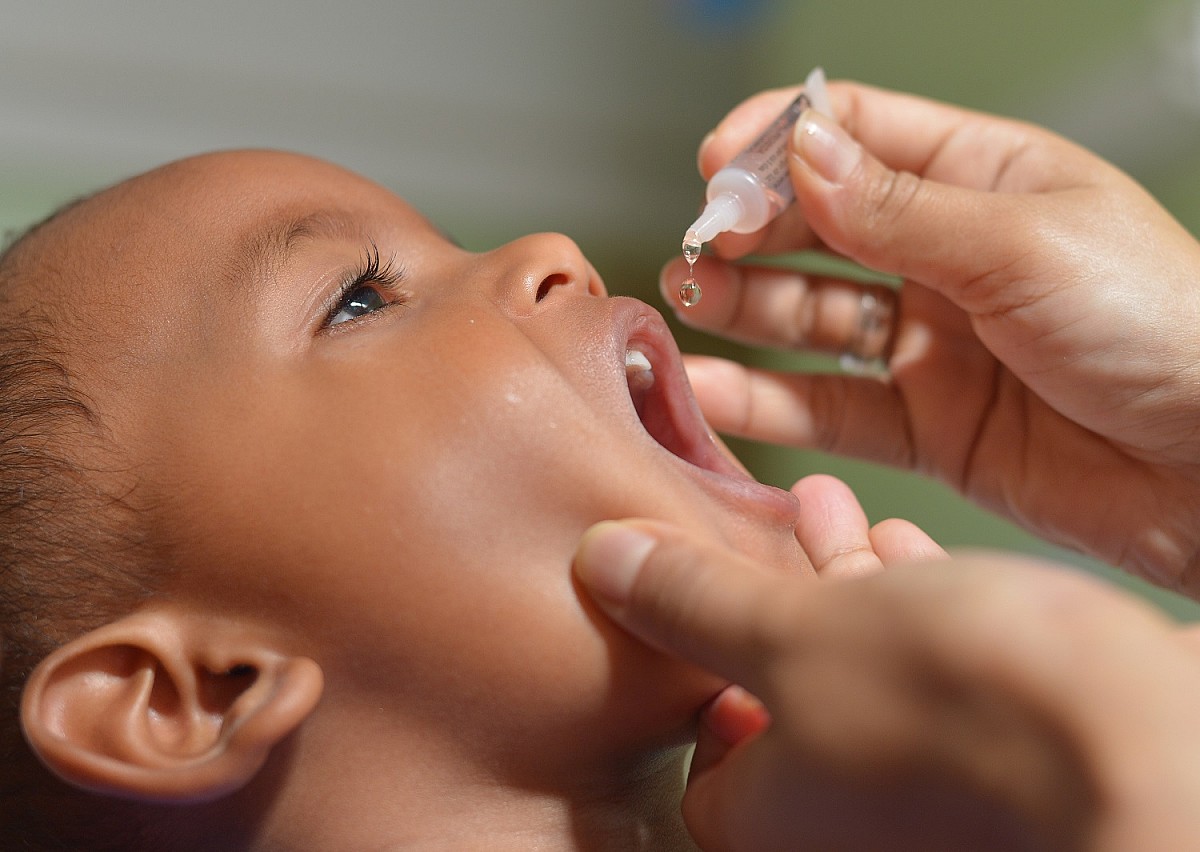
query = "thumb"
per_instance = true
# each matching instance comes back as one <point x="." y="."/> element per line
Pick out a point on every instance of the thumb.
<point x="696" y="600"/>
<point x="940" y="235"/>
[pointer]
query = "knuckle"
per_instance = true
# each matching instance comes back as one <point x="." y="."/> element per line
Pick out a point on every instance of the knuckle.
<point x="851" y="562"/>
<point x="889" y="197"/>
<point x="829" y="400"/>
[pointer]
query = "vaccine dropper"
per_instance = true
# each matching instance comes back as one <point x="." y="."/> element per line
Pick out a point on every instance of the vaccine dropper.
<point x="755" y="187"/>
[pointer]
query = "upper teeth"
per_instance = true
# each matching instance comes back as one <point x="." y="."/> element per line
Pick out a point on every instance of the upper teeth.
<point x="638" y="371"/>
<point x="635" y="361"/>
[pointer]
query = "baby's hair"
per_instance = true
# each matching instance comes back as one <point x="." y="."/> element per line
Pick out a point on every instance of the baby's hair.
<point x="70" y="556"/>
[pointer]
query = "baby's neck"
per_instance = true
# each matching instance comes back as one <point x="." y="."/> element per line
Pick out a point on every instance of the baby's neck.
<point x="632" y="809"/>
<point x="636" y="811"/>
<point x="639" y="812"/>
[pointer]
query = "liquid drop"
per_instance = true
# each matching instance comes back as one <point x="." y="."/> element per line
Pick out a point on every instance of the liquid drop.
<point x="689" y="292"/>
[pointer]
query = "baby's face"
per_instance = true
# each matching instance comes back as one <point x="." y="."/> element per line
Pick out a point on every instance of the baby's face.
<point x="343" y="423"/>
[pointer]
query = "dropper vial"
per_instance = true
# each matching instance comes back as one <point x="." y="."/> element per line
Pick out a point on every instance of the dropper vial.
<point x="755" y="187"/>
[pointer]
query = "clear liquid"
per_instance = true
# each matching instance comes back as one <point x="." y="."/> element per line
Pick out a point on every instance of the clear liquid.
<point x="689" y="290"/>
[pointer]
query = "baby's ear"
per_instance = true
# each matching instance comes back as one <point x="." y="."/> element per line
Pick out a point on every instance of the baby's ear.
<point x="165" y="706"/>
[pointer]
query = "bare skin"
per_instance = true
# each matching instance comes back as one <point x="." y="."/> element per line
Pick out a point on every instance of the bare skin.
<point x="1044" y="364"/>
<point x="1044" y="357"/>
<point x="365" y="457"/>
<point x="981" y="703"/>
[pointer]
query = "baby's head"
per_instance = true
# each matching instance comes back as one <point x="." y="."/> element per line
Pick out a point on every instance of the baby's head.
<point x="289" y="487"/>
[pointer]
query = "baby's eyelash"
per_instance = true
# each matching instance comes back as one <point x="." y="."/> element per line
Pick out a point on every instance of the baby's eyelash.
<point x="372" y="271"/>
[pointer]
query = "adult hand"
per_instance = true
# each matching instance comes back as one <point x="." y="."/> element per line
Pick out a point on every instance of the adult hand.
<point x="1045" y="358"/>
<point x="841" y="543"/>
<point x="982" y="703"/>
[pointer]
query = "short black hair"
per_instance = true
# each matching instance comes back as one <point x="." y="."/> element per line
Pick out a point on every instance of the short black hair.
<point x="71" y="556"/>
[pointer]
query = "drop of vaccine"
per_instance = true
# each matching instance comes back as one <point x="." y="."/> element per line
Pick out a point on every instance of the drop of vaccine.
<point x="689" y="293"/>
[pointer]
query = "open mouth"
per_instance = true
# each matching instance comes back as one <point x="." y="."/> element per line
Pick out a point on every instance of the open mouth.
<point x="664" y="403"/>
<point x="652" y="406"/>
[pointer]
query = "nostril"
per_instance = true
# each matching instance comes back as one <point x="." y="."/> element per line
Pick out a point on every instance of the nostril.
<point x="548" y="284"/>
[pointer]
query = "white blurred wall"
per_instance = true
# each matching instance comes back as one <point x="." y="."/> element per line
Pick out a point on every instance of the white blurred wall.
<point x="567" y="115"/>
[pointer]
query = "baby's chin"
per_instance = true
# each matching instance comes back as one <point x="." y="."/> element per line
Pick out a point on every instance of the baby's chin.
<point x="757" y="522"/>
<point x="776" y="549"/>
<point x="764" y="538"/>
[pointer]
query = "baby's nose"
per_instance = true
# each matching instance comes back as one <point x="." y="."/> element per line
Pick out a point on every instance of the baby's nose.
<point x="541" y="267"/>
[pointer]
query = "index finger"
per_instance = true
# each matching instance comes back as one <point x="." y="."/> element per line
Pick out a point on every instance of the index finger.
<point x="905" y="132"/>
<point x="961" y="147"/>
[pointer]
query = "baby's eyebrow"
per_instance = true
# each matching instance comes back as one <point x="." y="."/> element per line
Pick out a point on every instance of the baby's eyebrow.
<point x="267" y="248"/>
<point x="322" y="223"/>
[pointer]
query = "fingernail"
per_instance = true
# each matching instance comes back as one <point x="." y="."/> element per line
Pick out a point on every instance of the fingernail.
<point x="825" y="147"/>
<point x="609" y="557"/>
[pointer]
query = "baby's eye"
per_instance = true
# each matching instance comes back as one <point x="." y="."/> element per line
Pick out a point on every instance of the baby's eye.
<point x="372" y="287"/>
<point x="358" y="302"/>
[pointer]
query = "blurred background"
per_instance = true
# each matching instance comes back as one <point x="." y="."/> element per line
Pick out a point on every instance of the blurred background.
<point x="504" y="117"/>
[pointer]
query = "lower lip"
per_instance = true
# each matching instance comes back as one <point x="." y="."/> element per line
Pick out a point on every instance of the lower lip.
<point x="742" y="491"/>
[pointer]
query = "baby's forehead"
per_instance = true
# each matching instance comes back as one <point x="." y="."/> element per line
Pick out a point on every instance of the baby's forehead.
<point x="189" y="213"/>
<point x="232" y="187"/>
<point x="135" y="268"/>
<point x="237" y="183"/>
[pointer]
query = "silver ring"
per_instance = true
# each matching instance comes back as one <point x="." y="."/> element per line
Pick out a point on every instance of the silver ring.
<point x="871" y="345"/>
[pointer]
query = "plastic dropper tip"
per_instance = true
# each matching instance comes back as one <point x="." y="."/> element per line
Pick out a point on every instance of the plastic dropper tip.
<point x="719" y="215"/>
